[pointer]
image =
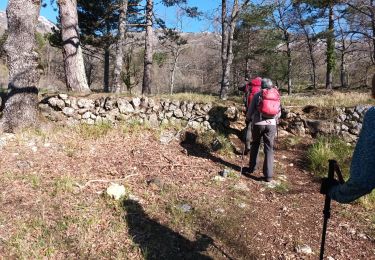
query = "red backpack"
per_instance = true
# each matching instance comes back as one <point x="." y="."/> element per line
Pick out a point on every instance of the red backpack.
<point x="255" y="87"/>
<point x="269" y="103"/>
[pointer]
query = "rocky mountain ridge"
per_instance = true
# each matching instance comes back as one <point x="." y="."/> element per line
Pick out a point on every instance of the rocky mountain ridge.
<point x="44" y="25"/>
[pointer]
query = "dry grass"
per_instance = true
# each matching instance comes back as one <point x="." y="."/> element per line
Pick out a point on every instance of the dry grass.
<point x="45" y="214"/>
<point x="195" y="97"/>
<point x="335" y="99"/>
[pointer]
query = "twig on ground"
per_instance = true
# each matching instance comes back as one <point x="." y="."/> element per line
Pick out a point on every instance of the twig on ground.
<point x="103" y="181"/>
<point x="171" y="165"/>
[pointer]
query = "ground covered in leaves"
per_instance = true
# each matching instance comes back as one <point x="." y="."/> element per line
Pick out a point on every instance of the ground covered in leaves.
<point x="53" y="202"/>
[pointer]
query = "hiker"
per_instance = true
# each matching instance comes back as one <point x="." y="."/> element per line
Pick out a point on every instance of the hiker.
<point x="262" y="117"/>
<point x="362" y="170"/>
<point x="250" y="89"/>
<point x="244" y="88"/>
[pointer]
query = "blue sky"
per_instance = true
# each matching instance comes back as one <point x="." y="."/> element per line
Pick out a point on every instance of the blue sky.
<point x="168" y="14"/>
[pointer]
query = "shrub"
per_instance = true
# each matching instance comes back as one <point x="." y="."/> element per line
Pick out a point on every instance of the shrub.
<point x="326" y="148"/>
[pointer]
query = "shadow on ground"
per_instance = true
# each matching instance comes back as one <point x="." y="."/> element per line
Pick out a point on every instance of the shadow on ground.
<point x="159" y="242"/>
<point x="198" y="150"/>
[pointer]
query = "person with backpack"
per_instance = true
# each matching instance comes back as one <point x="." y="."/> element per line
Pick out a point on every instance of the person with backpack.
<point x="250" y="89"/>
<point x="244" y="88"/>
<point x="262" y="115"/>
<point x="362" y="169"/>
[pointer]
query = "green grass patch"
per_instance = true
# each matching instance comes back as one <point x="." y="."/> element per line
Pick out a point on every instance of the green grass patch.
<point x="34" y="179"/>
<point x="368" y="202"/>
<point x="134" y="127"/>
<point x="63" y="184"/>
<point x="71" y="149"/>
<point x="94" y="131"/>
<point x="327" y="148"/>
<point x="215" y="142"/>
<point x="282" y="188"/>
<point x="178" y="216"/>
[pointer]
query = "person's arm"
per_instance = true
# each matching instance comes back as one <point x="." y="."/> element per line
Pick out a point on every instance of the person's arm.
<point x="362" y="171"/>
<point x="349" y="191"/>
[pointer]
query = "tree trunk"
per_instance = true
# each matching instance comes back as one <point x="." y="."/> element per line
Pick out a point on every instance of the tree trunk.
<point x="289" y="55"/>
<point x="312" y="60"/>
<point x="330" y="48"/>
<point x="343" y="72"/>
<point x="147" y="77"/>
<point x="224" y="42"/>
<point x="313" y="65"/>
<point x="21" y="105"/>
<point x="119" y="47"/>
<point x="106" y="68"/>
<point x="72" y="52"/>
<point x="173" y="71"/>
<point x="372" y="11"/>
<point x="229" y="54"/>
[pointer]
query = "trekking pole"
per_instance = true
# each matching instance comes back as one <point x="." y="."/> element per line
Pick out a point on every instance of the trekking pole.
<point x="327" y="208"/>
<point x="242" y="158"/>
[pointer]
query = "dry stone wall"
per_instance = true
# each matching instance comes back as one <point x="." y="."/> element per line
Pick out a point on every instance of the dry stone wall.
<point x="345" y="122"/>
<point x="144" y="110"/>
<point x="309" y="120"/>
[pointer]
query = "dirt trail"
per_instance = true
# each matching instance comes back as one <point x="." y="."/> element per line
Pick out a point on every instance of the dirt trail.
<point x="178" y="207"/>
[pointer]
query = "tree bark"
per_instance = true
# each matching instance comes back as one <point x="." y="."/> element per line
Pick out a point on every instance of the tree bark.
<point x="173" y="70"/>
<point x="312" y="60"/>
<point x="21" y="105"/>
<point x="120" y="46"/>
<point x="106" y="68"/>
<point x="289" y="56"/>
<point x="72" y="52"/>
<point x="224" y="42"/>
<point x="229" y="53"/>
<point x="330" y="48"/>
<point x="147" y="77"/>
<point x="372" y="16"/>
<point x="343" y="72"/>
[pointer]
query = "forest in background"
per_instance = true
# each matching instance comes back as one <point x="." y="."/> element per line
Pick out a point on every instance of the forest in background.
<point x="287" y="41"/>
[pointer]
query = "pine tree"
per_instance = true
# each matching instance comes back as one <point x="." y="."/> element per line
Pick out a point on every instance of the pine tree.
<point x="99" y="24"/>
<point x="71" y="45"/>
<point x="21" y="106"/>
<point x="327" y="10"/>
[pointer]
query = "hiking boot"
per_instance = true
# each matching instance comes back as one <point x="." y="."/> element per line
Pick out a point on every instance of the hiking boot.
<point x="267" y="179"/>
<point x="247" y="171"/>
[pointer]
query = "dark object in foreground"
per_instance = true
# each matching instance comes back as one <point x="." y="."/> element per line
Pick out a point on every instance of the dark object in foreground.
<point x="333" y="167"/>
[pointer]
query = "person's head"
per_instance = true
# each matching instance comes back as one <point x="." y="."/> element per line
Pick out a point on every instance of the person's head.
<point x="373" y="86"/>
<point x="266" y="83"/>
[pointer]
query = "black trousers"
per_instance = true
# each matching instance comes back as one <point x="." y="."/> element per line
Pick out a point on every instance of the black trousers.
<point x="267" y="132"/>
